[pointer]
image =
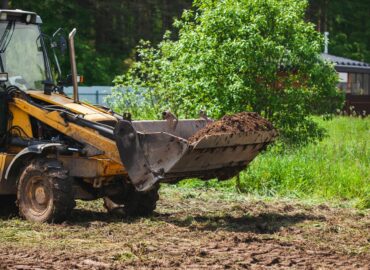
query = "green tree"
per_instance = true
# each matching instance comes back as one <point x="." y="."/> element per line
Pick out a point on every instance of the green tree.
<point x="348" y="23"/>
<point x="232" y="56"/>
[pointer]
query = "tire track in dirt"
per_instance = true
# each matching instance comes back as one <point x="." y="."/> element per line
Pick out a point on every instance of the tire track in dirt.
<point x="215" y="252"/>
<point x="193" y="231"/>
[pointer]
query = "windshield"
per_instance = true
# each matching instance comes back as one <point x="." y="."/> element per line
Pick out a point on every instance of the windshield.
<point x="22" y="55"/>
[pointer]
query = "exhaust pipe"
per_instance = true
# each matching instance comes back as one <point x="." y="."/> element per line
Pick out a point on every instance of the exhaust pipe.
<point x="72" y="57"/>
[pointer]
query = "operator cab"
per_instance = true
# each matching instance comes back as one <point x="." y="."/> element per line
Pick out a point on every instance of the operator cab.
<point x="23" y="55"/>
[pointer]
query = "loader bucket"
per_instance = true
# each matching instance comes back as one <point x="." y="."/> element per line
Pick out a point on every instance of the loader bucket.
<point x="157" y="151"/>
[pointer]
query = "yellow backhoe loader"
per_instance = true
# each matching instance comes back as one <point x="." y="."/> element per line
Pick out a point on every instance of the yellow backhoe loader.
<point x="56" y="149"/>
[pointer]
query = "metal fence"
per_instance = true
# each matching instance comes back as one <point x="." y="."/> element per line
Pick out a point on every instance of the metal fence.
<point x="91" y="94"/>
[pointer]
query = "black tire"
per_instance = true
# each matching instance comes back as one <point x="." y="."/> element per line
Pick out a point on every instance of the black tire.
<point x="45" y="192"/>
<point x="132" y="202"/>
<point x="8" y="205"/>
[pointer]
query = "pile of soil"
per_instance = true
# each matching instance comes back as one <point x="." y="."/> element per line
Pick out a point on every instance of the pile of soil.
<point x="232" y="124"/>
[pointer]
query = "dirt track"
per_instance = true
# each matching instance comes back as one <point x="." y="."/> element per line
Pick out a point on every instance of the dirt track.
<point x="195" y="229"/>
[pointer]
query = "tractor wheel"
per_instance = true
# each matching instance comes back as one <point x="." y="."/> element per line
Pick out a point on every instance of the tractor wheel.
<point x="133" y="203"/>
<point x="45" y="192"/>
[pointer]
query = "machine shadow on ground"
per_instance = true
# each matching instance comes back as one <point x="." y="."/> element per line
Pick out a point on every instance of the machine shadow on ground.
<point x="262" y="223"/>
<point x="266" y="222"/>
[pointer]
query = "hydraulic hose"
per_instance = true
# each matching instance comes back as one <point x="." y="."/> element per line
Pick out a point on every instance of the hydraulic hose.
<point x="104" y="130"/>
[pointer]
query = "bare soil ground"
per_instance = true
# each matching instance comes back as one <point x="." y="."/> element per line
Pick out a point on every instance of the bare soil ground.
<point x="195" y="229"/>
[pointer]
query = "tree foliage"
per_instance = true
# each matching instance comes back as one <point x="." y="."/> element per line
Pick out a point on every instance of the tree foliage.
<point x="107" y="31"/>
<point x="232" y="56"/>
<point x="348" y="24"/>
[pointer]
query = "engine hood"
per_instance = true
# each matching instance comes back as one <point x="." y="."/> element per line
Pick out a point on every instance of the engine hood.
<point x="89" y="112"/>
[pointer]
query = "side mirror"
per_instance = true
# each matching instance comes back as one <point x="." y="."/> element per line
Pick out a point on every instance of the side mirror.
<point x="59" y="41"/>
<point x="4" y="77"/>
<point x="62" y="44"/>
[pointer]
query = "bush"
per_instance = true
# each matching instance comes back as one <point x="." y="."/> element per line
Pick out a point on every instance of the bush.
<point x="232" y="56"/>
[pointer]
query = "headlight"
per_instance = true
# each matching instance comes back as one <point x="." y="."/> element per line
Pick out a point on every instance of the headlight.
<point x="3" y="16"/>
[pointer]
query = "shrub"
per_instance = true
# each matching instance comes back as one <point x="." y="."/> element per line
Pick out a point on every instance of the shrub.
<point x="231" y="56"/>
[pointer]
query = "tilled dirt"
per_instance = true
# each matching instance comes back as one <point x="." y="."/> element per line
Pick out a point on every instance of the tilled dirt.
<point x="195" y="229"/>
<point x="232" y="124"/>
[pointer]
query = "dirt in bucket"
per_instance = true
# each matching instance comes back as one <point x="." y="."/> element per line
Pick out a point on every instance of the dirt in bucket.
<point x="232" y="124"/>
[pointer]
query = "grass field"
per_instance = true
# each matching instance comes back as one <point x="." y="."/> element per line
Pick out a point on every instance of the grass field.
<point x="337" y="168"/>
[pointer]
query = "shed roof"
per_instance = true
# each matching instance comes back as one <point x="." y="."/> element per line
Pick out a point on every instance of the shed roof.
<point x="345" y="64"/>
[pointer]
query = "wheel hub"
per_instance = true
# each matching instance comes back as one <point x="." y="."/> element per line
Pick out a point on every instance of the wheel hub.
<point x="40" y="195"/>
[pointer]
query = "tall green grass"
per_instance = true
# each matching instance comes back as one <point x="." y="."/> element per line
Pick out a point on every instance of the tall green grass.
<point x="336" y="168"/>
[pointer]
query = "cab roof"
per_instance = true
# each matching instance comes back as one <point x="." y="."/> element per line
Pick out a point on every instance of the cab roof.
<point x="19" y="15"/>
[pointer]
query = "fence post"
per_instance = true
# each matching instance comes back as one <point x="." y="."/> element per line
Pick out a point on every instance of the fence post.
<point x="97" y="97"/>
